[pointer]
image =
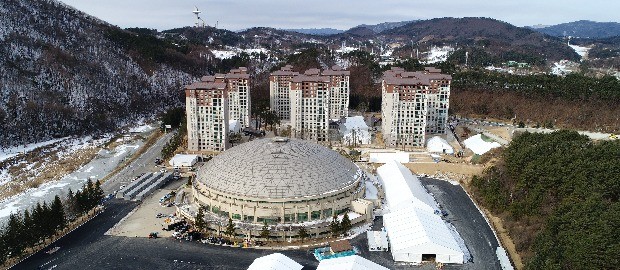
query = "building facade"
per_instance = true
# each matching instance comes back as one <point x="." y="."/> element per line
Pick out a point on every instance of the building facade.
<point x="413" y="104"/>
<point x="206" y="105"/>
<point x="339" y="91"/>
<point x="279" y="91"/>
<point x="238" y="88"/>
<point x="308" y="101"/>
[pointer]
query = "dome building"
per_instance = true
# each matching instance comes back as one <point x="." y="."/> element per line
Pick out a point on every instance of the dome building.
<point x="278" y="181"/>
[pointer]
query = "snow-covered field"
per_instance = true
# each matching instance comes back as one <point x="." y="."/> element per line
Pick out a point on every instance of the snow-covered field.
<point x="229" y="52"/>
<point x="6" y="153"/>
<point x="97" y="168"/>
<point x="581" y="51"/>
<point x="438" y="54"/>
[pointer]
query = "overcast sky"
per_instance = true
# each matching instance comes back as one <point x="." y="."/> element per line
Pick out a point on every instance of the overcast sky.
<point x="339" y="14"/>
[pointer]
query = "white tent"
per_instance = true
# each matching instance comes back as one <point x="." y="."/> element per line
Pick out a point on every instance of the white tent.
<point x="354" y="129"/>
<point x="439" y="145"/>
<point x="403" y="188"/>
<point x="234" y="126"/>
<point x="377" y="241"/>
<point x="478" y="145"/>
<point x="275" y="261"/>
<point x="413" y="233"/>
<point x="182" y="160"/>
<point x="402" y="157"/>
<point x="353" y="262"/>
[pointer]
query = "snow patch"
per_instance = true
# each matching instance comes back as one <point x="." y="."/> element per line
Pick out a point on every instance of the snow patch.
<point x="42" y="191"/>
<point x="581" y="51"/>
<point x="438" y="54"/>
<point x="11" y="152"/>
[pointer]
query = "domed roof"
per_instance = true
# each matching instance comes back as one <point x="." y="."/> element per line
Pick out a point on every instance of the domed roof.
<point x="279" y="168"/>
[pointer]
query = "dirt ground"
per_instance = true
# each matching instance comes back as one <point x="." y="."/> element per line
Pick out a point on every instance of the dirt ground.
<point x="503" y="132"/>
<point x="461" y="172"/>
<point x="143" y="220"/>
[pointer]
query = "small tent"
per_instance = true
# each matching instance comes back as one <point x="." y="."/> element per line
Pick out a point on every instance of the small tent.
<point x="439" y="145"/>
<point x="275" y="261"/>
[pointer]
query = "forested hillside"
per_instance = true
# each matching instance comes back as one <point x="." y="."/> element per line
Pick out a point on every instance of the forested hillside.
<point x="63" y="72"/>
<point x="574" y="101"/>
<point x="558" y="194"/>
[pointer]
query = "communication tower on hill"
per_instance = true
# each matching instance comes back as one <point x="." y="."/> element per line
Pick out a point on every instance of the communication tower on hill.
<point x="199" y="21"/>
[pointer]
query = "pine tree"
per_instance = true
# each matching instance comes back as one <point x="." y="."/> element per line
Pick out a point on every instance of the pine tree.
<point x="334" y="226"/>
<point x="14" y="234"/>
<point x="230" y="228"/>
<point x="38" y="220"/>
<point x="264" y="233"/>
<point x="98" y="194"/>
<point x="28" y="235"/>
<point x="345" y="224"/>
<point x="71" y="205"/>
<point x="58" y="214"/>
<point x="303" y="234"/>
<point x="200" y="220"/>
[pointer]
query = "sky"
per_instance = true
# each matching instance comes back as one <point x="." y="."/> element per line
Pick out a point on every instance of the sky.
<point x="339" y="14"/>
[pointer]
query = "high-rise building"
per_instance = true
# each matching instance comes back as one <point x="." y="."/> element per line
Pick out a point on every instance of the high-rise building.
<point x="279" y="90"/>
<point x="413" y="104"/>
<point x="309" y="106"/>
<point x="239" y="97"/>
<point x="338" y="91"/>
<point x="308" y="101"/>
<point x="207" y="116"/>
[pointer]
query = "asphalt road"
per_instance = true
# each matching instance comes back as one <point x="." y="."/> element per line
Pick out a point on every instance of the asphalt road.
<point x="143" y="164"/>
<point x="88" y="248"/>
<point x="469" y="222"/>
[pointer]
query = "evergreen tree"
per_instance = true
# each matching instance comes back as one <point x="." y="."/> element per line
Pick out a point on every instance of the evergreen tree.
<point x="230" y="228"/>
<point x="345" y="224"/>
<point x="14" y="234"/>
<point x="98" y="194"/>
<point x="4" y="248"/>
<point x="303" y="234"/>
<point x="264" y="233"/>
<point x="334" y="226"/>
<point x="71" y="205"/>
<point x="38" y="220"/>
<point x="28" y="235"/>
<point x="200" y="220"/>
<point x="58" y="214"/>
<point x="48" y="228"/>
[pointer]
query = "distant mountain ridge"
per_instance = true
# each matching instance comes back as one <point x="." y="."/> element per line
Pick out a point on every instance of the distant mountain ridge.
<point x="316" y="31"/>
<point x="582" y="29"/>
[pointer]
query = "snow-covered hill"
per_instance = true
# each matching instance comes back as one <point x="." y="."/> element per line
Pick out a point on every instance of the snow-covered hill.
<point x="61" y="74"/>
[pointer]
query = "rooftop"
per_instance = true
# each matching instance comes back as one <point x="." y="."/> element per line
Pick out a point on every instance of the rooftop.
<point x="279" y="168"/>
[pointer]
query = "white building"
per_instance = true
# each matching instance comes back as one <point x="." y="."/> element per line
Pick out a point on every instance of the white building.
<point x="353" y="262"/>
<point x="377" y="241"/>
<point x="275" y="261"/>
<point x="279" y="90"/>
<point x="413" y="104"/>
<point x="416" y="235"/>
<point x="402" y="188"/>
<point x="206" y="105"/>
<point x="238" y="89"/>
<point x="309" y="103"/>
<point x="310" y="100"/>
<point x="339" y="91"/>
<point x="182" y="160"/>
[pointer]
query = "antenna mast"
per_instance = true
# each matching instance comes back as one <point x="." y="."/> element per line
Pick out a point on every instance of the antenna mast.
<point x="200" y="23"/>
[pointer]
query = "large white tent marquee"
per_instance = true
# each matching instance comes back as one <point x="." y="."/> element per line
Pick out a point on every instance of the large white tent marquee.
<point x="414" y="233"/>
<point x="275" y="261"/>
<point x="414" y="229"/>
<point x="353" y="262"/>
<point x="439" y="145"/>
<point x="402" y="188"/>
